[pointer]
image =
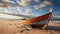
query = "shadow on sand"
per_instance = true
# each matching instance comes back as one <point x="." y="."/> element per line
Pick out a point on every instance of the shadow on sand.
<point x="55" y="28"/>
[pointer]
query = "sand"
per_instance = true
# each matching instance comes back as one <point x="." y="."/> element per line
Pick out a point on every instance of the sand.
<point x="13" y="27"/>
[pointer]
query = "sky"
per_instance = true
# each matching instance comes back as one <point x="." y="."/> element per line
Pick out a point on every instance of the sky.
<point x="56" y="6"/>
<point x="4" y="16"/>
<point x="32" y="7"/>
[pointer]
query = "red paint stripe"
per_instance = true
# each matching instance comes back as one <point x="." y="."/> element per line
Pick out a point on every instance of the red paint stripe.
<point x="37" y="19"/>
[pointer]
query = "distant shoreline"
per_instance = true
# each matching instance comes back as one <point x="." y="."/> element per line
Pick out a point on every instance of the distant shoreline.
<point x="52" y="20"/>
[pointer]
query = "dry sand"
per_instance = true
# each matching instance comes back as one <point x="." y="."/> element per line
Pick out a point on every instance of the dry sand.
<point x="12" y="27"/>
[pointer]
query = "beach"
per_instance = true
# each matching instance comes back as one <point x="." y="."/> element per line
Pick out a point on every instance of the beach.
<point x="13" y="27"/>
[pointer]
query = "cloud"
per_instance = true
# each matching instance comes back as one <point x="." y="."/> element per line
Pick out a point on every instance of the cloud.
<point x="39" y="6"/>
<point x="19" y="9"/>
<point x="10" y="10"/>
<point x="24" y="3"/>
<point x="28" y="11"/>
<point x="42" y="5"/>
<point x="6" y="16"/>
<point x="47" y="3"/>
<point x="7" y="10"/>
<point x="1" y="8"/>
<point x="15" y="10"/>
<point x="5" y="3"/>
<point x="6" y="0"/>
<point x="37" y="0"/>
<point x="4" y="9"/>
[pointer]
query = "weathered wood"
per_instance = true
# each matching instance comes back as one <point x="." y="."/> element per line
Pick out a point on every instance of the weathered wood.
<point x="37" y="19"/>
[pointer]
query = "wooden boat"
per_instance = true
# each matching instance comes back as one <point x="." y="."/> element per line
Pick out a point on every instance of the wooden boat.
<point x="39" y="21"/>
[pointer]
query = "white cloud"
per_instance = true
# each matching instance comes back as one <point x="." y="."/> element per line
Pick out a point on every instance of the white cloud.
<point x="6" y="0"/>
<point x="28" y="11"/>
<point x="6" y="4"/>
<point x="4" y="9"/>
<point x="24" y="2"/>
<point x="19" y="9"/>
<point x="39" y="6"/>
<point x="6" y="16"/>
<point x="7" y="10"/>
<point x="42" y="5"/>
<point x="37" y="0"/>
<point x="47" y="3"/>
<point x="1" y="8"/>
<point x="2" y="4"/>
<point x="10" y="10"/>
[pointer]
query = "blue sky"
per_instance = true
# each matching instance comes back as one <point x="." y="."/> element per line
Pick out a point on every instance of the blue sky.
<point x="56" y="6"/>
<point x="38" y="10"/>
